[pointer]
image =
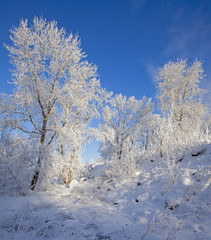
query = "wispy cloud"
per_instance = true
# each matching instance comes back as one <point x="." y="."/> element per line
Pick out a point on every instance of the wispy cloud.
<point x="152" y="70"/>
<point x="189" y="34"/>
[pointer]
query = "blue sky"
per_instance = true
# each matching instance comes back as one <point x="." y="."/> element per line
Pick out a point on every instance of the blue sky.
<point x="129" y="40"/>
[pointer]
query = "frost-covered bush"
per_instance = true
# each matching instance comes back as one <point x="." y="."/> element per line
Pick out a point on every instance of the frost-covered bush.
<point x="166" y="221"/>
<point x="126" y="166"/>
<point x="58" y="169"/>
<point x="17" y="160"/>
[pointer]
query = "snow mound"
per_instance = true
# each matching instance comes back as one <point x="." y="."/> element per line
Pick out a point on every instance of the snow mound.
<point x="147" y="207"/>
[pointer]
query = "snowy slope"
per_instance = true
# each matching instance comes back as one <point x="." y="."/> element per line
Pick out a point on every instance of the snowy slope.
<point x="146" y="207"/>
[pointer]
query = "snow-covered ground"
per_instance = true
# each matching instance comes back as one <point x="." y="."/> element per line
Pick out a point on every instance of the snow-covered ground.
<point x="147" y="207"/>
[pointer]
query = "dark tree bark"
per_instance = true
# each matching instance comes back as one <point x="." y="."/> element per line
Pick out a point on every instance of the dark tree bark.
<point x="39" y="161"/>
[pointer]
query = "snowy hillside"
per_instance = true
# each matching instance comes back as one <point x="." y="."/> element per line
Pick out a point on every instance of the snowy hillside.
<point x="96" y="207"/>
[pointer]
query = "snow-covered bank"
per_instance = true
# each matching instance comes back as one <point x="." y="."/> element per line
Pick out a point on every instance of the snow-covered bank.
<point x="147" y="207"/>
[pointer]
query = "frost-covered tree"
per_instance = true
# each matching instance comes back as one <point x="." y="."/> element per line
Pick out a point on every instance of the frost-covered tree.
<point x="182" y="127"/>
<point x="123" y="119"/>
<point x="180" y="96"/>
<point x="88" y="100"/>
<point x="56" y="91"/>
<point x="157" y="133"/>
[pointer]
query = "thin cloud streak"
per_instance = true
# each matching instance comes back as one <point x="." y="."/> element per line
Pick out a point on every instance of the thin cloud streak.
<point x="188" y="36"/>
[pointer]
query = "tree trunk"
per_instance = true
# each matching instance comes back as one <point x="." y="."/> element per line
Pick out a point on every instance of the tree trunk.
<point x="119" y="153"/>
<point x="36" y="174"/>
<point x="39" y="161"/>
<point x="161" y="146"/>
<point x="147" y="141"/>
<point x="67" y="171"/>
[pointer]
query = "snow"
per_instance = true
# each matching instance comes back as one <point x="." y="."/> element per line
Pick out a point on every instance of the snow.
<point x="95" y="207"/>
